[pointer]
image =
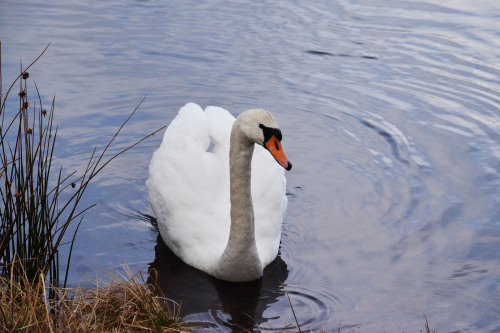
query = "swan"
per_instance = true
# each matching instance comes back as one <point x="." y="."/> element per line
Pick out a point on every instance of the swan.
<point x="219" y="198"/>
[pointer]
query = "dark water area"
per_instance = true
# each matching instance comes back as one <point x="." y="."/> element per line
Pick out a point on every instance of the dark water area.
<point x="390" y="113"/>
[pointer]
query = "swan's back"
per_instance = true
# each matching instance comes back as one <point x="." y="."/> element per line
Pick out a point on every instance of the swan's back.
<point x="189" y="189"/>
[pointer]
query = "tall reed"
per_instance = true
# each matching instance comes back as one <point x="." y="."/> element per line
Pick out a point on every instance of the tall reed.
<point x="38" y="202"/>
<point x="30" y="226"/>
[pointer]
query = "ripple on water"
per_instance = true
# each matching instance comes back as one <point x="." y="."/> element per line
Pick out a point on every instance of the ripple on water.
<point x="314" y="305"/>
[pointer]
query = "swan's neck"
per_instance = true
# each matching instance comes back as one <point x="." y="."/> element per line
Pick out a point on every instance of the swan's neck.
<point x="240" y="260"/>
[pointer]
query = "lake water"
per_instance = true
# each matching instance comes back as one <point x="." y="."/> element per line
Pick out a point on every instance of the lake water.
<point x="390" y="112"/>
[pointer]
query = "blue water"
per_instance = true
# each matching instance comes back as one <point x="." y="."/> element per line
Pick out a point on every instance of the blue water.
<point x="390" y="112"/>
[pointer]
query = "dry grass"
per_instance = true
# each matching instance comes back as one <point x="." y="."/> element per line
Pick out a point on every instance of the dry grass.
<point x="122" y="304"/>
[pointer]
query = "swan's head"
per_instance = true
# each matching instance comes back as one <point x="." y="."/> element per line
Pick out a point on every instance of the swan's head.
<point x="259" y="126"/>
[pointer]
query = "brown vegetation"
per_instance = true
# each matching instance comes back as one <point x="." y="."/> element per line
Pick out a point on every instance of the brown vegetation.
<point x="122" y="304"/>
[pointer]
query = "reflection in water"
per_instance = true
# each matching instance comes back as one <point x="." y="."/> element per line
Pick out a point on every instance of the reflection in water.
<point x="199" y="293"/>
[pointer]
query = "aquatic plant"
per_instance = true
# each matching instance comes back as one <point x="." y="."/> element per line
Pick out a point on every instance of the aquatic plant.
<point x="39" y="202"/>
<point x="31" y="226"/>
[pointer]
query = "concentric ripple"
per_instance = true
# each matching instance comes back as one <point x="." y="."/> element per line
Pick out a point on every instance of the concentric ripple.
<point x="312" y="304"/>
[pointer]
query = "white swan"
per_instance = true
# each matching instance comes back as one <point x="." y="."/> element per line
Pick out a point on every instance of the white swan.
<point x="200" y="190"/>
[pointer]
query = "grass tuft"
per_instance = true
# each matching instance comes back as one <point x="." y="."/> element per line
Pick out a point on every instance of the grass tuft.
<point x="122" y="304"/>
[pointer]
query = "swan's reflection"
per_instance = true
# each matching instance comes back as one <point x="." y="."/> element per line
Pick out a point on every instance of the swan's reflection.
<point x="197" y="292"/>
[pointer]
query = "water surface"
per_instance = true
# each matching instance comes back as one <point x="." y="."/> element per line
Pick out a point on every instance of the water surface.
<point x="390" y="112"/>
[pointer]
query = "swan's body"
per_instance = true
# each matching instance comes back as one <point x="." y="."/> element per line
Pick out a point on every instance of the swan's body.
<point x="229" y="227"/>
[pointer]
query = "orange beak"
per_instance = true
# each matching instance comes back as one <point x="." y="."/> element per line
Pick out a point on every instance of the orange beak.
<point x="274" y="147"/>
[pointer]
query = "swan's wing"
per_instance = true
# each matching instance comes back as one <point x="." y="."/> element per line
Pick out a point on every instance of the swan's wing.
<point x="269" y="200"/>
<point x="220" y="123"/>
<point x="189" y="187"/>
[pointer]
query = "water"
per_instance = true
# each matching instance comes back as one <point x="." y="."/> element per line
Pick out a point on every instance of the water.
<point x="390" y="112"/>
